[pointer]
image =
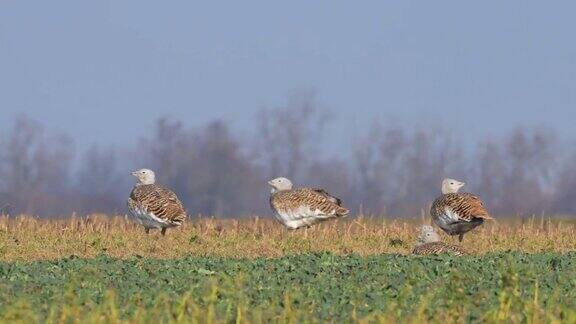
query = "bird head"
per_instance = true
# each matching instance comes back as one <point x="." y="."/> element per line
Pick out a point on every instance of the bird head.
<point x="451" y="186"/>
<point x="427" y="235"/>
<point x="145" y="176"/>
<point x="280" y="184"/>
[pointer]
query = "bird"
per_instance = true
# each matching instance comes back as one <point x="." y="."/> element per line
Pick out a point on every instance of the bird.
<point x="428" y="242"/>
<point x="303" y="207"/>
<point x="458" y="213"/>
<point x="154" y="206"/>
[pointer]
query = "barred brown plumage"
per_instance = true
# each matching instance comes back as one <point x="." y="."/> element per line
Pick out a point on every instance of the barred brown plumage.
<point x="154" y="206"/>
<point x="438" y="248"/>
<point x="301" y="207"/>
<point x="335" y="200"/>
<point x="457" y="213"/>
<point x="428" y="242"/>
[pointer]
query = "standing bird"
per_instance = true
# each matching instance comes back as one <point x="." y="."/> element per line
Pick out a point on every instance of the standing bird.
<point x="428" y="242"/>
<point x="457" y="213"/>
<point x="154" y="206"/>
<point x="301" y="207"/>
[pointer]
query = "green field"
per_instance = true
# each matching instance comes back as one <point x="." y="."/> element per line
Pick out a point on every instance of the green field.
<point x="495" y="287"/>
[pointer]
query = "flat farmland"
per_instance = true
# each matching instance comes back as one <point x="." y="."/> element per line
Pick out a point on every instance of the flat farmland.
<point x="106" y="269"/>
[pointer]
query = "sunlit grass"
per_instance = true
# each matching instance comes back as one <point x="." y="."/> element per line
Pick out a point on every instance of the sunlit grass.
<point x="30" y="238"/>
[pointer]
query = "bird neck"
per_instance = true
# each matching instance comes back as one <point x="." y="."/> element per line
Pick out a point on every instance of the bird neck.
<point x="276" y="190"/>
<point x="449" y="191"/>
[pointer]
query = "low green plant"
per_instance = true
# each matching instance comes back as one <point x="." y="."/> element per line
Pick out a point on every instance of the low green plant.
<point x="494" y="288"/>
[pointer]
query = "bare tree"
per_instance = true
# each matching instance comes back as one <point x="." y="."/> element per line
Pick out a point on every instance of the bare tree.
<point x="391" y="170"/>
<point x="531" y="158"/>
<point x="289" y="137"/>
<point x="374" y="157"/>
<point x="170" y="144"/>
<point x="565" y="189"/>
<point x="100" y="186"/>
<point x="34" y="170"/>
<point x="206" y="168"/>
<point x="490" y="173"/>
<point x="98" y="173"/>
<point x="399" y="172"/>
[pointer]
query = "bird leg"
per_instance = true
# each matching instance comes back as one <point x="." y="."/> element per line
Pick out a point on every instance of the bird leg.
<point x="460" y="237"/>
<point x="163" y="231"/>
<point x="147" y="230"/>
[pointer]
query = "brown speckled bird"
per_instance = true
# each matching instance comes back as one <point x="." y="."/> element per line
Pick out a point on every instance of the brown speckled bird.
<point x="154" y="206"/>
<point x="302" y="207"/>
<point x="428" y="243"/>
<point x="457" y="213"/>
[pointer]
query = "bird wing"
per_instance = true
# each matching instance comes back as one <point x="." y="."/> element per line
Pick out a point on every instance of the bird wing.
<point x="459" y="207"/>
<point x="335" y="200"/>
<point x="159" y="201"/>
<point x="300" y="206"/>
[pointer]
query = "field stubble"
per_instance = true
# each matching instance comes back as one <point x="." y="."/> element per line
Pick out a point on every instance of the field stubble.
<point x="28" y="238"/>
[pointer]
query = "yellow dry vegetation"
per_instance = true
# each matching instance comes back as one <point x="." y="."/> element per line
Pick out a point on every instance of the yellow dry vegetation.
<point x="31" y="238"/>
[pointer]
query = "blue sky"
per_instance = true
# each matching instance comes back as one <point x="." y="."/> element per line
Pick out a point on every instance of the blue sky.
<point x="103" y="71"/>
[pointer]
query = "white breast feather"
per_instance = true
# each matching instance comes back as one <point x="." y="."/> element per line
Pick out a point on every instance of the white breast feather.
<point x="148" y="219"/>
<point x="453" y="216"/>
<point x="301" y="216"/>
<point x="447" y="218"/>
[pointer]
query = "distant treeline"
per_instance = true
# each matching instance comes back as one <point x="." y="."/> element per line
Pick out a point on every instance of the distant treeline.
<point x="387" y="170"/>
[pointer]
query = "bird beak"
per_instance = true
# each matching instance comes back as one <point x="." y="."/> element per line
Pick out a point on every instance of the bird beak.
<point x="462" y="184"/>
<point x="135" y="173"/>
<point x="271" y="183"/>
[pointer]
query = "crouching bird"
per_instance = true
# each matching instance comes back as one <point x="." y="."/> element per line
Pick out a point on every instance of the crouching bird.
<point x="428" y="243"/>
<point x="458" y="213"/>
<point x="154" y="206"/>
<point x="303" y="207"/>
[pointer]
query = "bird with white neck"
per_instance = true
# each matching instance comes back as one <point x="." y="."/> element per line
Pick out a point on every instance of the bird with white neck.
<point x="154" y="206"/>
<point x="302" y="207"/>
<point x="458" y="213"/>
<point x="428" y="242"/>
